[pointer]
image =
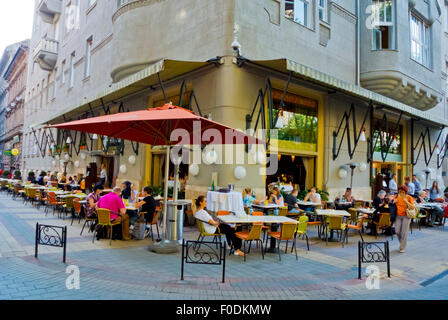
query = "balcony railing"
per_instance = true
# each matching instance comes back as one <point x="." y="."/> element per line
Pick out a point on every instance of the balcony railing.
<point x="48" y="9"/>
<point x="46" y="53"/>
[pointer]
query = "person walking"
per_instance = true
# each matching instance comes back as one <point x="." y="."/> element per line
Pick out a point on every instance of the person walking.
<point x="403" y="201"/>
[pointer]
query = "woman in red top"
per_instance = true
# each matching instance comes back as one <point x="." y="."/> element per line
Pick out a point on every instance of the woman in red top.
<point x="403" y="202"/>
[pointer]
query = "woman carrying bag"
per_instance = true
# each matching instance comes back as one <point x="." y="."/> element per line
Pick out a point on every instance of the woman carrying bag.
<point x="405" y="213"/>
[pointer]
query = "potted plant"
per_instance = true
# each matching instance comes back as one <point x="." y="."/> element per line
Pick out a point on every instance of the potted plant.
<point x="17" y="175"/>
<point x="57" y="149"/>
<point x="6" y="173"/>
<point x="65" y="148"/>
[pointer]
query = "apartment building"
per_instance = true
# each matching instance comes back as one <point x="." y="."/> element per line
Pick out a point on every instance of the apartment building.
<point x="354" y="88"/>
<point x="15" y="75"/>
<point x="8" y="54"/>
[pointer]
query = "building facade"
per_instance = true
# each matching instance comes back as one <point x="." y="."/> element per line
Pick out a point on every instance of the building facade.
<point x="337" y="79"/>
<point x="5" y="61"/>
<point x="15" y="76"/>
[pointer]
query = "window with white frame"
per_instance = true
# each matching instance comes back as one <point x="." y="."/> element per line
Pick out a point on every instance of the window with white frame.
<point x="297" y="10"/>
<point x="383" y="35"/>
<point x="88" y="57"/>
<point x="72" y="70"/>
<point x="323" y="10"/>
<point x="420" y="41"/>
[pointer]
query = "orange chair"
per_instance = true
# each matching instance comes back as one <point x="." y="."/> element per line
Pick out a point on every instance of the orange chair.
<point x="253" y="235"/>
<point x="52" y="201"/>
<point x="77" y="210"/>
<point x="264" y="228"/>
<point x="286" y="233"/>
<point x="223" y="213"/>
<point x="358" y="227"/>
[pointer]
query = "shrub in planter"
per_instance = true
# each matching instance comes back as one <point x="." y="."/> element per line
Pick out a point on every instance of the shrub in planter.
<point x="6" y="173"/>
<point x="17" y="174"/>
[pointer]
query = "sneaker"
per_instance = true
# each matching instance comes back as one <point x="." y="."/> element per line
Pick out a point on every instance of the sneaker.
<point x="239" y="253"/>
<point x="401" y="250"/>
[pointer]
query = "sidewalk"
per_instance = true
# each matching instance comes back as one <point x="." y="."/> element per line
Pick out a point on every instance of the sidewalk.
<point x="127" y="270"/>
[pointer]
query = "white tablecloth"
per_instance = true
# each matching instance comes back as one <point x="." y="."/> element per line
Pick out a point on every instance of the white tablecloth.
<point x="232" y="201"/>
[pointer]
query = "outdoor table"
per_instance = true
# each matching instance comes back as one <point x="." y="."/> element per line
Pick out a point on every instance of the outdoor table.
<point x="368" y="211"/>
<point x="246" y="219"/>
<point x="266" y="207"/>
<point x="331" y="213"/>
<point x="221" y="201"/>
<point x="308" y="204"/>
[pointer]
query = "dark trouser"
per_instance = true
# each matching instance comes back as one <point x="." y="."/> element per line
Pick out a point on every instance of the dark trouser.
<point x="232" y="239"/>
<point x="103" y="181"/>
<point x="434" y="213"/>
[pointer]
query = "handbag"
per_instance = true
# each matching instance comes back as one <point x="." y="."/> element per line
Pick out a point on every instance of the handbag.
<point x="411" y="213"/>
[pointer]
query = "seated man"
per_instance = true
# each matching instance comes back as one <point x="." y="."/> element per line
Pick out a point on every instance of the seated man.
<point x="114" y="203"/>
<point x="291" y="201"/>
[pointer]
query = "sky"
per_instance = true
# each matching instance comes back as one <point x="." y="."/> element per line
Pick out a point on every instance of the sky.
<point x="16" y="21"/>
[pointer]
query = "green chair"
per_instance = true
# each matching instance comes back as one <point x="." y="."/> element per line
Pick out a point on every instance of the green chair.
<point x="203" y="233"/>
<point x="301" y="230"/>
<point x="69" y="206"/>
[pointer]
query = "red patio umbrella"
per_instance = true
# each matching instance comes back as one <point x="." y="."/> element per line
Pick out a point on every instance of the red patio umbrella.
<point x="155" y="127"/>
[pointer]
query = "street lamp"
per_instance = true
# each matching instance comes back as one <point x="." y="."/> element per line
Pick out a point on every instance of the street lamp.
<point x="427" y="172"/>
<point x="353" y="166"/>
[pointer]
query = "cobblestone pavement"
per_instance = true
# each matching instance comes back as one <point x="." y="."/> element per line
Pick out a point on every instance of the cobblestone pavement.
<point x="127" y="270"/>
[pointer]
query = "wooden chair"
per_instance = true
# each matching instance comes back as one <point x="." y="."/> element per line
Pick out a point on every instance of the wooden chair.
<point x="264" y="228"/>
<point x="286" y="233"/>
<point x="151" y="223"/>
<point x="283" y="212"/>
<point x="383" y="223"/>
<point x="353" y="216"/>
<point x="253" y="235"/>
<point x="104" y="221"/>
<point x="77" y="210"/>
<point x="335" y="224"/>
<point x="89" y="221"/>
<point x="52" y="202"/>
<point x="358" y="227"/>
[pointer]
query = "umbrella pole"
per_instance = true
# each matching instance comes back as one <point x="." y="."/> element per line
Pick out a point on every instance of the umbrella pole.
<point x="165" y="203"/>
<point x="166" y="245"/>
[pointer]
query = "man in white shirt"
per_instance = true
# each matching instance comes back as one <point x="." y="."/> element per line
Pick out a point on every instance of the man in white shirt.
<point x="393" y="184"/>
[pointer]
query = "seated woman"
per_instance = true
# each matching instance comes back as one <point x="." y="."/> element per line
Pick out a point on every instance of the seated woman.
<point x="147" y="205"/>
<point x="211" y="225"/>
<point x="276" y="198"/>
<point x="92" y="200"/>
<point x="381" y="205"/>
<point x="347" y="200"/>
<point x="248" y="199"/>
